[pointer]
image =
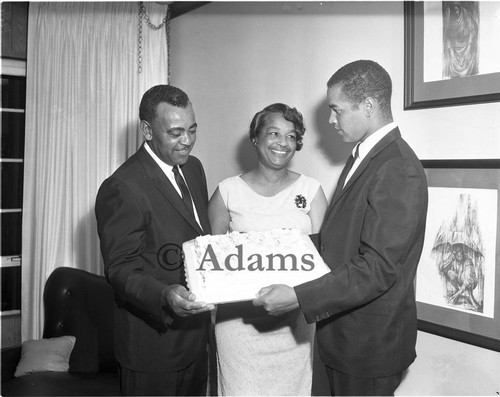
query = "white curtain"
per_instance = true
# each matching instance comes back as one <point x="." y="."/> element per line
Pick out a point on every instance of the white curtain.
<point x="83" y="94"/>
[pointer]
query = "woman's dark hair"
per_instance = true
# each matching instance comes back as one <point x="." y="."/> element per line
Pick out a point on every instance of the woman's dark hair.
<point x="290" y="114"/>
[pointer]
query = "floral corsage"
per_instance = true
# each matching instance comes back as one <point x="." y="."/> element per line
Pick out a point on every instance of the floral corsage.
<point x="300" y="201"/>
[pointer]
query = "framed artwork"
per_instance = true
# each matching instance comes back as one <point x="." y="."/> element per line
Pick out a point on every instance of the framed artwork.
<point x="451" y="53"/>
<point x="458" y="277"/>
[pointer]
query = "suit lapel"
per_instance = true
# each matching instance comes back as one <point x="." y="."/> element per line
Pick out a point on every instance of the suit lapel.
<point x="164" y="185"/>
<point x="343" y="176"/>
<point x="340" y="191"/>
<point x="198" y="195"/>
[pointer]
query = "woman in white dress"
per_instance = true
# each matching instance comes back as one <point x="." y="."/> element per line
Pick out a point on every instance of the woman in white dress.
<point x="258" y="354"/>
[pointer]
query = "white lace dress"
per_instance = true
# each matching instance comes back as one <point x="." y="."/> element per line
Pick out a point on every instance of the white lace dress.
<point x="258" y="354"/>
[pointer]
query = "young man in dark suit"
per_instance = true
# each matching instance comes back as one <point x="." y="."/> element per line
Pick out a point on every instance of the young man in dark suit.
<point x="371" y="238"/>
<point x="151" y="204"/>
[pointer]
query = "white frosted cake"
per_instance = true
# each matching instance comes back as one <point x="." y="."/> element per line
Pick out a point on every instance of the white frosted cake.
<point x="235" y="266"/>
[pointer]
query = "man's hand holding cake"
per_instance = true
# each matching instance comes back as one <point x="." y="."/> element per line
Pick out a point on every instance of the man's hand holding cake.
<point x="183" y="302"/>
<point x="277" y="299"/>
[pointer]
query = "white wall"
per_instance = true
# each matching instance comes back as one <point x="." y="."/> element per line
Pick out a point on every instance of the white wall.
<point x="234" y="58"/>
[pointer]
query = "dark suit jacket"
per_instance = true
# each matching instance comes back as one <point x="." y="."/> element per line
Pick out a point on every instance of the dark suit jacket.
<point x="142" y="223"/>
<point x="371" y="239"/>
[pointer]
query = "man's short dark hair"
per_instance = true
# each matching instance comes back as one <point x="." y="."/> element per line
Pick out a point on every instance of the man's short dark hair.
<point x="289" y="114"/>
<point x="362" y="79"/>
<point x="158" y="94"/>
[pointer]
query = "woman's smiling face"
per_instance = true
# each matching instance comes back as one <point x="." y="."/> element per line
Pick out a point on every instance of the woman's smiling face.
<point x="276" y="142"/>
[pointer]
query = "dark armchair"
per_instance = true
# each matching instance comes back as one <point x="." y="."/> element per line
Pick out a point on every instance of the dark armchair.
<point x="80" y="304"/>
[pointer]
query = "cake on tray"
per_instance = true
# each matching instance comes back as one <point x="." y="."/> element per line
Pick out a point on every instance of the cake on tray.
<point x="235" y="266"/>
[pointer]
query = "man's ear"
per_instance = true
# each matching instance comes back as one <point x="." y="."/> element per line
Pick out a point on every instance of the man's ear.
<point x="146" y="130"/>
<point x="369" y="106"/>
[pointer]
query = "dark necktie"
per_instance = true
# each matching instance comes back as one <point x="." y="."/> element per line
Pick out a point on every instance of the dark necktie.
<point x="186" y="197"/>
<point x="350" y="163"/>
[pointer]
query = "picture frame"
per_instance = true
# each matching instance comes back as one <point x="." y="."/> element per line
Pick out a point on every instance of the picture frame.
<point x="424" y="86"/>
<point x="461" y="320"/>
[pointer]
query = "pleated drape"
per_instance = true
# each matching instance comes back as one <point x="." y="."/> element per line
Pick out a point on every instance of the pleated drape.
<point x="83" y="94"/>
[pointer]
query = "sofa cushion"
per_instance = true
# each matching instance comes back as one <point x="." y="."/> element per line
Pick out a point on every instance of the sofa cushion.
<point x="45" y="355"/>
<point x="63" y="384"/>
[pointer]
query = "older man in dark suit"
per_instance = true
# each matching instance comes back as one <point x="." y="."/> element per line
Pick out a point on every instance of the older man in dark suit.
<point x="150" y="205"/>
<point x="371" y="239"/>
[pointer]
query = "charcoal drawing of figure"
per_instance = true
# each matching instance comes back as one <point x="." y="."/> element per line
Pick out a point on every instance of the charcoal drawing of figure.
<point x="460" y="38"/>
<point x="459" y="250"/>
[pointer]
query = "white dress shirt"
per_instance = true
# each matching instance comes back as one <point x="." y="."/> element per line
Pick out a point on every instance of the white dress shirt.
<point x="367" y="145"/>
<point x="167" y="170"/>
